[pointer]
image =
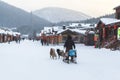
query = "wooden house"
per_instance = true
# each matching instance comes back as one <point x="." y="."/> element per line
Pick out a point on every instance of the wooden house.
<point x="2" y="36"/>
<point x="49" y="36"/>
<point x="107" y="32"/>
<point x="77" y="35"/>
<point x="7" y="36"/>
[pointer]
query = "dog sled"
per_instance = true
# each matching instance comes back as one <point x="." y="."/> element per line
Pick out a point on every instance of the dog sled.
<point x="71" y="57"/>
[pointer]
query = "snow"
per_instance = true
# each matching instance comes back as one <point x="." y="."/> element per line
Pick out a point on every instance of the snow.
<point x="2" y="31"/>
<point x="74" y="24"/>
<point x="49" y="29"/>
<point x="78" y="31"/>
<point x="108" y="21"/>
<point x="31" y="61"/>
<point x="9" y="32"/>
<point x="73" y="30"/>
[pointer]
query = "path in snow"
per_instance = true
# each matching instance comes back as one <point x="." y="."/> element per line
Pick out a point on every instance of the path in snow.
<point x="30" y="61"/>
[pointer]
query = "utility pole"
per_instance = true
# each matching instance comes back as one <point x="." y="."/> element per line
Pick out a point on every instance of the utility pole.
<point x="32" y="26"/>
<point x="31" y="19"/>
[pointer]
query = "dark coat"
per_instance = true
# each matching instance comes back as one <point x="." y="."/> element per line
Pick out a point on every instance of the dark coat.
<point x="69" y="44"/>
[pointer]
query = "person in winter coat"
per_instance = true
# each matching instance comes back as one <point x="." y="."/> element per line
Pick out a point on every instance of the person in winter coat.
<point x="69" y="44"/>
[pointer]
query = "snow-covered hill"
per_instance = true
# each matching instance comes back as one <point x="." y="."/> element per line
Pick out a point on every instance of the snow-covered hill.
<point x="55" y="14"/>
<point x="11" y="16"/>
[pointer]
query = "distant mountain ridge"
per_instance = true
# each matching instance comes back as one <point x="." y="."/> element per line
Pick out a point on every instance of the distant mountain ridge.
<point x="56" y="15"/>
<point x="95" y="20"/>
<point x="11" y="16"/>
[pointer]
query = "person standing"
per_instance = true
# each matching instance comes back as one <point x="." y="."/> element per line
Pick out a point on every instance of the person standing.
<point x="68" y="45"/>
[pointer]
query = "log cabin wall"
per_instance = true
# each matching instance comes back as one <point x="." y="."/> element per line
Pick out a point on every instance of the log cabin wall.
<point x="117" y="12"/>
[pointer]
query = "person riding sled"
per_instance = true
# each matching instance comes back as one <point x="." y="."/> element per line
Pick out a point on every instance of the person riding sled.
<point x="69" y="45"/>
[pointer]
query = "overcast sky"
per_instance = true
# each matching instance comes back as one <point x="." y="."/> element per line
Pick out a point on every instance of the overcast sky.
<point x="93" y="8"/>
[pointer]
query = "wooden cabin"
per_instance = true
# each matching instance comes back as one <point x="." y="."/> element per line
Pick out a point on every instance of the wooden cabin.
<point x="76" y="34"/>
<point x="50" y="38"/>
<point x="8" y="36"/>
<point x="2" y="36"/>
<point x="106" y="30"/>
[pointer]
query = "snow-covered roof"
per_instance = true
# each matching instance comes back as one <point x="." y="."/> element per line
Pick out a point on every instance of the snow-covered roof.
<point x="16" y="33"/>
<point x="9" y="32"/>
<point x="84" y="25"/>
<point x="49" y="29"/>
<point x="78" y="31"/>
<point x="2" y="31"/>
<point x="56" y="28"/>
<point x="60" y="31"/>
<point x="108" y="21"/>
<point x="73" y="30"/>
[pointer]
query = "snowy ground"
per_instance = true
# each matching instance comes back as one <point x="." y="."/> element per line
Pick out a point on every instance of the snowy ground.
<point x="30" y="61"/>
